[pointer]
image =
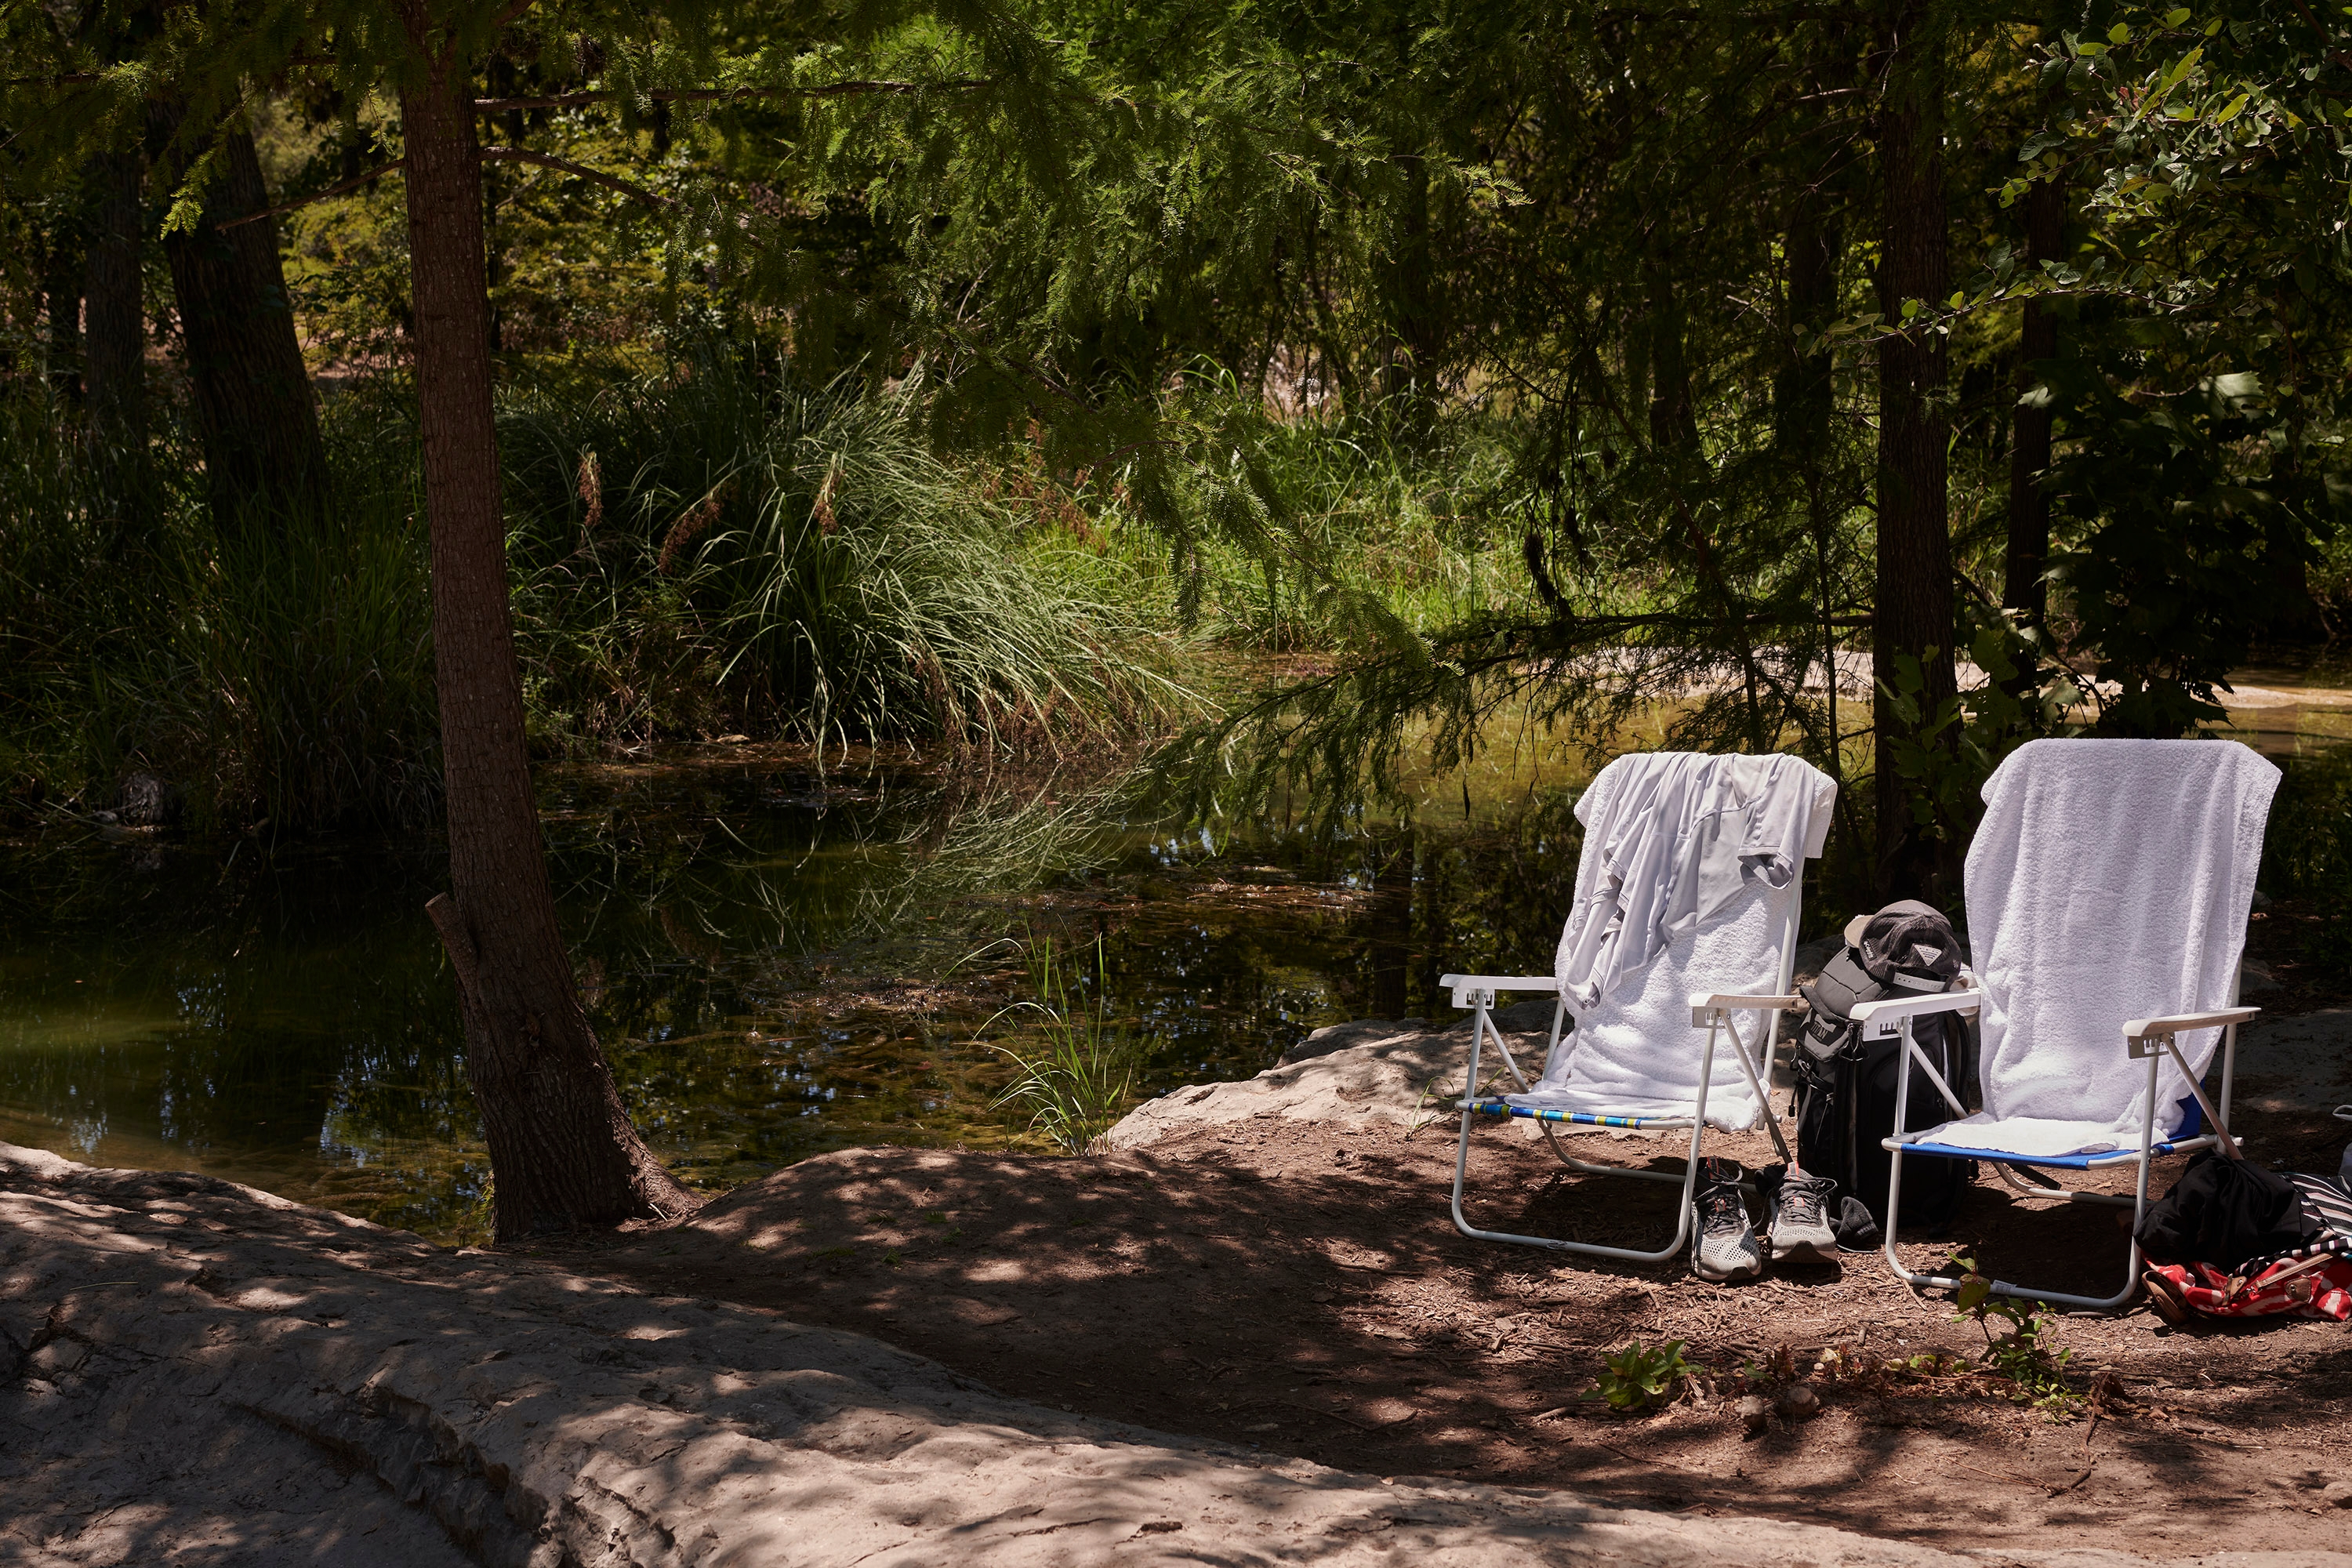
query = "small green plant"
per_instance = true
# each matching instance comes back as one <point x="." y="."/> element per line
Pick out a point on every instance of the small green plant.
<point x="1082" y="1078"/>
<point x="1640" y="1377"/>
<point x="2022" y="1355"/>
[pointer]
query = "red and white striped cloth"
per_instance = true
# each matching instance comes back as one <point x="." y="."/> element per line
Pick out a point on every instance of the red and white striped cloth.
<point x="2284" y="1287"/>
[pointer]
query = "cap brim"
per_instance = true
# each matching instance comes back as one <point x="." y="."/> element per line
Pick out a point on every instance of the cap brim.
<point x="1854" y="930"/>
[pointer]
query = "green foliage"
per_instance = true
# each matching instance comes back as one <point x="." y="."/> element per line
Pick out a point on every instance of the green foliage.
<point x="1639" y="1377"/>
<point x="1944" y="756"/>
<point x="693" y="552"/>
<point x="1079" y="1080"/>
<point x="2307" y="849"/>
<point x="2308" y="852"/>
<point x="2021" y="1353"/>
<point x="717" y="544"/>
<point x="278" y="670"/>
<point x="1472" y="350"/>
<point x="2193" y="513"/>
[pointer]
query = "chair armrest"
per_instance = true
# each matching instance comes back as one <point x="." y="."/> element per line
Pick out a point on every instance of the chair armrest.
<point x="1466" y="986"/>
<point x="1879" y="1019"/>
<point x="2180" y="1023"/>
<point x="1704" y="1002"/>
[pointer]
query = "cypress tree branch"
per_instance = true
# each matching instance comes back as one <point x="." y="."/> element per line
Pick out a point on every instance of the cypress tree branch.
<point x="487" y="155"/>
<point x="565" y="165"/>
<point x="337" y="189"/>
<point x="714" y="94"/>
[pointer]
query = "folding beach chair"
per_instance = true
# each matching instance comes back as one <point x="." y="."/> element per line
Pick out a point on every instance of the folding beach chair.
<point x="2108" y="878"/>
<point x="1643" y="1053"/>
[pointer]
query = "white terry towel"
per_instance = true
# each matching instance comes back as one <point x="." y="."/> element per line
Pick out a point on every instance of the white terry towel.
<point x="1689" y="882"/>
<point x="2109" y="880"/>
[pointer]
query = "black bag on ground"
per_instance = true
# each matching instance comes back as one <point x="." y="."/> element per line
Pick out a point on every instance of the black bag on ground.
<point x="2223" y="1212"/>
<point x="1846" y="1086"/>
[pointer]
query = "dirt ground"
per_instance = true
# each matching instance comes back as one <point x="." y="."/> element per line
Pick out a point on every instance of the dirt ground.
<point x="1299" y="1288"/>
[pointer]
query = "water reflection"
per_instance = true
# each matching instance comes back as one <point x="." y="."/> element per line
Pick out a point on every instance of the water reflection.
<point x="777" y="964"/>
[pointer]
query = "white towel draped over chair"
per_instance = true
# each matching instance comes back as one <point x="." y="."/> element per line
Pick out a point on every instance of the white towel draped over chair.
<point x="1674" y="960"/>
<point x="2109" y="880"/>
<point x="1687" y="884"/>
<point x="2108" y="889"/>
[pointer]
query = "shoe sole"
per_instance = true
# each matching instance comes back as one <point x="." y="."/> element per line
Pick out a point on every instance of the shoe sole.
<point x="1713" y="1278"/>
<point x="1822" y="1251"/>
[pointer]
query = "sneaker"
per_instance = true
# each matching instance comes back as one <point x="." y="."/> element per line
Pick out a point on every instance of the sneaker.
<point x="1723" y="1245"/>
<point x="1801" y="1216"/>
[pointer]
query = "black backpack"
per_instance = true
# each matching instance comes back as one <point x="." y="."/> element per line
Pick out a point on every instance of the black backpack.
<point x="2224" y="1212"/>
<point x="1845" y="1085"/>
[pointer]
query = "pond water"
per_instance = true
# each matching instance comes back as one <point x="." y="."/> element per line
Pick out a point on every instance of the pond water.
<point x="777" y="963"/>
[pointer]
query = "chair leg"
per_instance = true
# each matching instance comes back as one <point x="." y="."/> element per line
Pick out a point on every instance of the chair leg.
<point x="1594" y="1249"/>
<point x="2002" y="1286"/>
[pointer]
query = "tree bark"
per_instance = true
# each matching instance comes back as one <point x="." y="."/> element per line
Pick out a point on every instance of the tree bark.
<point x="1801" y="393"/>
<point x="562" y="1149"/>
<point x="1803" y="399"/>
<point x="1674" y="422"/>
<point x="2022" y="588"/>
<point x="115" y="318"/>
<point x="1913" y="612"/>
<point x="255" y="415"/>
<point x="1415" y="338"/>
<point x="61" y="280"/>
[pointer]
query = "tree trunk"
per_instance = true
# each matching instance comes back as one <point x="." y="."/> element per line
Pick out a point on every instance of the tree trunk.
<point x="1804" y="398"/>
<point x="2022" y="588"/>
<point x="115" y="322"/>
<point x="61" y="276"/>
<point x="1674" y="422"/>
<point x="255" y="415"/>
<point x="1414" y="337"/>
<point x="1913" y="612"/>
<point x="1801" y="393"/>
<point x="562" y="1149"/>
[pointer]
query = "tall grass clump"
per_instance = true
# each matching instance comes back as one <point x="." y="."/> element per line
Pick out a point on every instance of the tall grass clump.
<point x="269" y="668"/>
<point x="716" y="545"/>
<point x="1079" y="1076"/>
<point x="296" y="673"/>
<point x="77" y="538"/>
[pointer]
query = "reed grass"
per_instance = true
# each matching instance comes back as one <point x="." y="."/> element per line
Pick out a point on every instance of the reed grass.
<point x="1076" y="1076"/>
<point x="716" y="544"/>
<point x="712" y="547"/>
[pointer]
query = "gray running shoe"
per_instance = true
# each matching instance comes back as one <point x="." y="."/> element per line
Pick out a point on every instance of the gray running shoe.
<point x="1800" y="1217"/>
<point x="1723" y="1243"/>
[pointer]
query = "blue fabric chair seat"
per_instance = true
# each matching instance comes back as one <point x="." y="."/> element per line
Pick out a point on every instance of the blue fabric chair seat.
<point x="1575" y="1118"/>
<point x="2187" y="1111"/>
<point x="2057" y="1161"/>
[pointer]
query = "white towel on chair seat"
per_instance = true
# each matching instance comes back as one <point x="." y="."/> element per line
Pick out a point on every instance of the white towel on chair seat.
<point x="2109" y="880"/>
<point x="1694" y="860"/>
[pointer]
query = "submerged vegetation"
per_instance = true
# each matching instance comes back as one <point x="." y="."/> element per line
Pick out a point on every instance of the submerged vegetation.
<point x="1075" y="1070"/>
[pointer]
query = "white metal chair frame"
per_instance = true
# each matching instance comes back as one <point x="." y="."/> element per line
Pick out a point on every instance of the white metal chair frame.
<point x="2151" y="1039"/>
<point x="1709" y="1011"/>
